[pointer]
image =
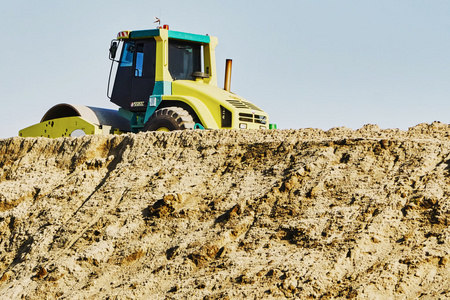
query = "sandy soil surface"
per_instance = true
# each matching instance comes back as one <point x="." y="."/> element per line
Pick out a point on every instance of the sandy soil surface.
<point x="227" y="215"/>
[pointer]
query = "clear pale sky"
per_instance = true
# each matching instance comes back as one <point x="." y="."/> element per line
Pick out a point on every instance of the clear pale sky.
<point x="308" y="63"/>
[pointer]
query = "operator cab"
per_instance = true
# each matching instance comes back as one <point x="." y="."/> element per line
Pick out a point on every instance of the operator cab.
<point x="135" y="77"/>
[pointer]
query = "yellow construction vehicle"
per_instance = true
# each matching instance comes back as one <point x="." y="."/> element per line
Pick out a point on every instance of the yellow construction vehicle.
<point x="163" y="80"/>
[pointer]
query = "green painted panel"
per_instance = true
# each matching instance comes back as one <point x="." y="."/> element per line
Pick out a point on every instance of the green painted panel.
<point x="189" y="36"/>
<point x="140" y="34"/>
<point x="162" y="88"/>
<point x="136" y="34"/>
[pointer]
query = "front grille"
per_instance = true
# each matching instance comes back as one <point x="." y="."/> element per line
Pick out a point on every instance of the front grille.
<point x="251" y="118"/>
<point x="252" y="106"/>
<point x="237" y="104"/>
<point x="243" y="104"/>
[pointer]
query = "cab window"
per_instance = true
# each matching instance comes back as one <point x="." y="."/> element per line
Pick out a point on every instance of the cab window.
<point x="184" y="59"/>
<point x="127" y="55"/>
<point x="139" y="60"/>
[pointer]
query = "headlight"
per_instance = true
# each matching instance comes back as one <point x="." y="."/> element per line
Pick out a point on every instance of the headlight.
<point x="152" y="101"/>
<point x="242" y="126"/>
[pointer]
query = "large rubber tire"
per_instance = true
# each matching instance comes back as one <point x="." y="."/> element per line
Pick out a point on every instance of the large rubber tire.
<point x="168" y="119"/>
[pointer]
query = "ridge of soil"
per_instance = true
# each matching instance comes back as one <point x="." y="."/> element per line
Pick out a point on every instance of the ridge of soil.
<point x="227" y="215"/>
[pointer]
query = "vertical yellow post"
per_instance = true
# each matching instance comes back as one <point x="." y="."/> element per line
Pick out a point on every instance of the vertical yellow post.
<point x="162" y="57"/>
<point x="210" y="60"/>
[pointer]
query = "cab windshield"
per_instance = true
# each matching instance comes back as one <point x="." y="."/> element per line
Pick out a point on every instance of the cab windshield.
<point x="127" y="55"/>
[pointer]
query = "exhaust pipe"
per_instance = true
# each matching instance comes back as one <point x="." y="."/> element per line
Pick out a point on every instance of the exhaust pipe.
<point x="227" y="83"/>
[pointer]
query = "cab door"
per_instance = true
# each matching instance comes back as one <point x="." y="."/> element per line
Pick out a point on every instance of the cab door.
<point x="135" y="76"/>
<point x="144" y="74"/>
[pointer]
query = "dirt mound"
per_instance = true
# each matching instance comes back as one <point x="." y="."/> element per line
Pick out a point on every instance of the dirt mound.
<point x="227" y="214"/>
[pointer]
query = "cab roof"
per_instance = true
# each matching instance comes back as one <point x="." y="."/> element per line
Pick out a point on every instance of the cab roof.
<point x="147" y="33"/>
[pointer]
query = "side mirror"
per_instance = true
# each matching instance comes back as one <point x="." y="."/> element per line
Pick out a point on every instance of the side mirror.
<point x="113" y="50"/>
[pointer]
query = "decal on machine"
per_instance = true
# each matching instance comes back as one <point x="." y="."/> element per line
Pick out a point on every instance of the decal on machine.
<point x="137" y="104"/>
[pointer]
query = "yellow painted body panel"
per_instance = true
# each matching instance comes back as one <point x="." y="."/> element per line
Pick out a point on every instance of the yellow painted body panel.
<point x="211" y="98"/>
<point x="61" y="127"/>
<point x="199" y="107"/>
